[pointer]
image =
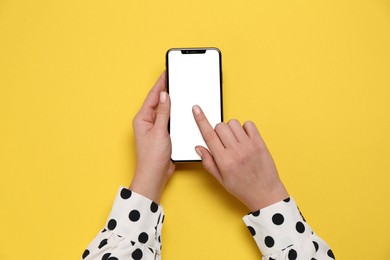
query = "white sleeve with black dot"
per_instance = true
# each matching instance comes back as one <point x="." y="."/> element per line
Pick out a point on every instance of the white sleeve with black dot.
<point x="281" y="232"/>
<point x="132" y="231"/>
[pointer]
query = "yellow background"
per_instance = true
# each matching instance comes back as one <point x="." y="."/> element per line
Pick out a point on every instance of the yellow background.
<point x="313" y="75"/>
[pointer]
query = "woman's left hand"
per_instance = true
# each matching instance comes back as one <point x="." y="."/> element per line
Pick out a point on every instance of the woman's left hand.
<point x="153" y="143"/>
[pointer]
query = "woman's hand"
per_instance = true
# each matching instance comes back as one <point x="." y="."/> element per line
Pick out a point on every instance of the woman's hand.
<point x="153" y="143"/>
<point x="240" y="161"/>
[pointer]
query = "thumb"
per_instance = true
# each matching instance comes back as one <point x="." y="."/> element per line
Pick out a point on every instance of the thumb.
<point x="208" y="162"/>
<point x="163" y="110"/>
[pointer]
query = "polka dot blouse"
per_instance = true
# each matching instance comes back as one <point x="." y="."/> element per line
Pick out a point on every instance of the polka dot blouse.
<point x="133" y="231"/>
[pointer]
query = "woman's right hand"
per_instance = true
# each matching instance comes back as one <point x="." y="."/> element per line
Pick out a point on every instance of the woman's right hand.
<point x="240" y="161"/>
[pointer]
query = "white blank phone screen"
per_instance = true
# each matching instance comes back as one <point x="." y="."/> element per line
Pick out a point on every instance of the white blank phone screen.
<point x="194" y="79"/>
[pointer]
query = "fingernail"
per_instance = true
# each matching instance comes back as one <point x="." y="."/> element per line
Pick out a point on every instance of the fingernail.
<point x="196" y="109"/>
<point x="163" y="97"/>
<point x="198" y="152"/>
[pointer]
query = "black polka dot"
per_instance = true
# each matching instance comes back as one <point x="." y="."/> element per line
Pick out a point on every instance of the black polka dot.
<point x="102" y="243"/>
<point x="313" y="258"/>
<point x="252" y="230"/>
<point x="137" y="254"/>
<point x="300" y="227"/>
<point x="278" y="219"/>
<point x="151" y="250"/>
<point x="162" y="221"/>
<point x="315" y="245"/>
<point x="85" y="254"/>
<point x="143" y="238"/>
<point x="154" y="207"/>
<point x="271" y="258"/>
<point x="256" y="213"/>
<point x="132" y="243"/>
<point x="287" y="200"/>
<point x="111" y="224"/>
<point x="292" y="254"/>
<point x="134" y="215"/>
<point x="125" y="193"/>
<point x="330" y="254"/>
<point x="159" y="239"/>
<point x="104" y="230"/>
<point x="106" y="256"/>
<point x="112" y="258"/>
<point x="269" y="241"/>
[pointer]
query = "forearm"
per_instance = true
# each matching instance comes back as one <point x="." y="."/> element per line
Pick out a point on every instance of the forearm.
<point x="281" y="232"/>
<point x="132" y="231"/>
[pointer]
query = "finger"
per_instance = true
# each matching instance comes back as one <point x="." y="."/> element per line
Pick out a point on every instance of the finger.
<point x="152" y="99"/>
<point x="237" y="130"/>
<point x="207" y="131"/>
<point x="163" y="111"/>
<point x="208" y="162"/>
<point x="252" y="131"/>
<point x="226" y="135"/>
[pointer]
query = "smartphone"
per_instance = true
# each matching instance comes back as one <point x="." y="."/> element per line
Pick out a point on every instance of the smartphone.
<point x="194" y="77"/>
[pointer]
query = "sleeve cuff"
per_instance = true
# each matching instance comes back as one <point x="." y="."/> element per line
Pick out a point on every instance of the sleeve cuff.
<point x="136" y="218"/>
<point x="277" y="226"/>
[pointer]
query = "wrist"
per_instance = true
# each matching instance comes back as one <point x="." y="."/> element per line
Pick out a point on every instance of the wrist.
<point x="148" y="187"/>
<point x="263" y="199"/>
